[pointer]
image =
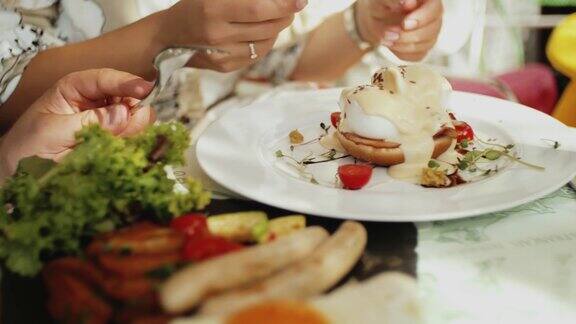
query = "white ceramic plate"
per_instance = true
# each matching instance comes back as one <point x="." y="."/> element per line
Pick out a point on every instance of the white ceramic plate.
<point x="238" y="151"/>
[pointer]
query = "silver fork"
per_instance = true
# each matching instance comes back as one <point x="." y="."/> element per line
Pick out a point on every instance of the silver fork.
<point x="166" y="63"/>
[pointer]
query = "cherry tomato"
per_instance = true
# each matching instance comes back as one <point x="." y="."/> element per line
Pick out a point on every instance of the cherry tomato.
<point x="192" y="225"/>
<point x="207" y="247"/>
<point x="335" y="119"/>
<point x="354" y="176"/>
<point x="463" y="131"/>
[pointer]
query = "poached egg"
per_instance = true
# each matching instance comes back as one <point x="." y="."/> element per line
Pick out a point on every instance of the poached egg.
<point x="405" y="105"/>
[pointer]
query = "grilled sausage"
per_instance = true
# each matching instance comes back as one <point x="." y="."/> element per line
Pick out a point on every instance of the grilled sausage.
<point x="187" y="288"/>
<point x="329" y="263"/>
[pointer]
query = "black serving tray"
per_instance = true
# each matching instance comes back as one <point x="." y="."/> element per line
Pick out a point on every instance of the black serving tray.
<point x="391" y="246"/>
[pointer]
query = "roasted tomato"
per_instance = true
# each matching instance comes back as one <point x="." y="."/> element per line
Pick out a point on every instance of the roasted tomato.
<point x="354" y="176"/>
<point x="73" y="301"/>
<point x="464" y="131"/>
<point x="139" y="238"/>
<point x="130" y="289"/>
<point x="191" y="225"/>
<point x="207" y="247"/>
<point x="335" y="119"/>
<point x="128" y="266"/>
<point x="75" y="267"/>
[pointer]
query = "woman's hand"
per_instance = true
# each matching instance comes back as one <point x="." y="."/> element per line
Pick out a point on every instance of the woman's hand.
<point x="48" y="127"/>
<point x="409" y="28"/>
<point x="228" y="25"/>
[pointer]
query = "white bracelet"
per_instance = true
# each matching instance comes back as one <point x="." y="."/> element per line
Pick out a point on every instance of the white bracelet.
<point x="351" y="27"/>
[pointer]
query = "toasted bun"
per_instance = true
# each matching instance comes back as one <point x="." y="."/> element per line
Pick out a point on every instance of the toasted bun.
<point x="387" y="156"/>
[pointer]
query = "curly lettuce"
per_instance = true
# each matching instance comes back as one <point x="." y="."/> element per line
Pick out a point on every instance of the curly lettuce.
<point x="49" y="209"/>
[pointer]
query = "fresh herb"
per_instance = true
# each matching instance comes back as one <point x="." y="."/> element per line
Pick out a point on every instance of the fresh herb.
<point x="555" y="144"/>
<point x="492" y="155"/>
<point x="470" y="160"/>
<point x="313" y="161"/>
<point x="330" y="154"/>
<point x="125" y="251"/>
<point x="161" y="273"/>
<point x="433" y="164"/>
<point x="106" y="182"/>
<point x="279" y="154"/>
<point x="301" y="165"/>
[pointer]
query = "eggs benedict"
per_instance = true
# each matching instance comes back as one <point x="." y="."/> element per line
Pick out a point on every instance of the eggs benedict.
<point x="399" y="121"/>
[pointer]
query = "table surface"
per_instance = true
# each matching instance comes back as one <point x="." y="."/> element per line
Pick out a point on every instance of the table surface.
<point x="391" y="246"/>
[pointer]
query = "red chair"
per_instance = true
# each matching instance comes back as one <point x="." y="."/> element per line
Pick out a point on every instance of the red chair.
<point x="533" y="86"/>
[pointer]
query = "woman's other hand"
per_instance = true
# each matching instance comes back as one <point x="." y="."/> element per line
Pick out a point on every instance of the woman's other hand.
<point x="47" y="129"/>
<point x="409" y="28"/>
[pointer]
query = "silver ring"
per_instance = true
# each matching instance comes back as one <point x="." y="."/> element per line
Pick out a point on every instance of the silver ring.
<point x="253" y="54"/>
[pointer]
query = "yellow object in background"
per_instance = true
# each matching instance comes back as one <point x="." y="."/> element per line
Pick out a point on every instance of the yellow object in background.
<point x="561" y="52"/>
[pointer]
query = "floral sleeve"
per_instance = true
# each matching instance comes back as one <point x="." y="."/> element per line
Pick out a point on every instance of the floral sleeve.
<point x="29" y="26"/>
<point x="19" y="43"/>
<point x="278" y="65"/>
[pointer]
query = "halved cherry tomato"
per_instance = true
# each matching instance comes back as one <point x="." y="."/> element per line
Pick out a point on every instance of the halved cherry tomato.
<point x="335" y="118"/>
<point x="207" y="247"/>
<point x="354" y="176"/>
<point x="464" y="131"/>
<point x="191" y="225"/>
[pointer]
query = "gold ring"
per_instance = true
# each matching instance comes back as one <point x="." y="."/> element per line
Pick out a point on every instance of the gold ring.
<point x="253" y="54"/>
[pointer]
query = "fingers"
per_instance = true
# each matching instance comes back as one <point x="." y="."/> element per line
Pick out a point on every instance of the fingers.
<point x="98" y="84"/>
<point x="137" y="123"/>
<point x="411" y="57"/>
<point x="389" y="11"/>
<point x="429" y="33"/>
<point x="412" y="48"/>
<point x="257" y="10"/>
<point x="409" y="5"/>
<point x="246" y="32"/>
<point x="427" y="13"/>
<point x="114" y="118"/>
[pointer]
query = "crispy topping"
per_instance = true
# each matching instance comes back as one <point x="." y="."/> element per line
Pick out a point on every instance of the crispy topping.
<point x="296" y="137"/>
<point x="435" y="178"/>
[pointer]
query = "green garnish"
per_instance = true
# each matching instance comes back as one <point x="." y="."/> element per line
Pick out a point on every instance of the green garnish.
<point x="492" y="155"/>
<point x="433" y="164"/>
<point x="555" y="144"/>
<point x="161" y="273"/>
<point x="106" y="182"/>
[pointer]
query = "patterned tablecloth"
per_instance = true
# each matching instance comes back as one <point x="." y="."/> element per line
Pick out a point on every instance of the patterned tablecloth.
<point x="515" y="266"/>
